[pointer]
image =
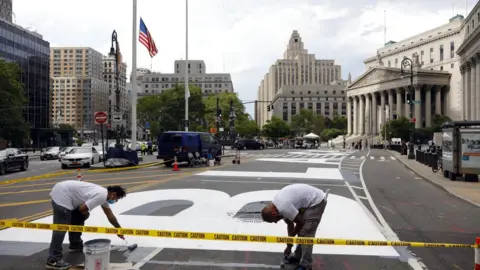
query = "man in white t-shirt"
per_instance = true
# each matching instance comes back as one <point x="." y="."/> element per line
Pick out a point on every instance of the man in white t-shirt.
<point x="72" y="202"/>
<point x="301" y="206"/>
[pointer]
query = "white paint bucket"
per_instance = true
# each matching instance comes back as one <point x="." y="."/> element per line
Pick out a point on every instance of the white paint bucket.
<point x="97" y="254"/>
<point x="211" y="163"/>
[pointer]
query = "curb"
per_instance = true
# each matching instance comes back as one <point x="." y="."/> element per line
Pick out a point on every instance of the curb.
<point x="434" y="182"/>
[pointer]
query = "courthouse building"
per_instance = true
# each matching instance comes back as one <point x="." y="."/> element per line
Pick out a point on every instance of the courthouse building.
<point x="434" y="82"/>
<point x="469" y="53"/>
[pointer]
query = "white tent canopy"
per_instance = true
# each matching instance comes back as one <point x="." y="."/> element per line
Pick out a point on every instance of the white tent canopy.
<point x="311" y="136"/>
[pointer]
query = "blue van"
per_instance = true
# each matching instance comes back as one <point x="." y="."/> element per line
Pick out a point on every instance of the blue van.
<point x="179" y="143"/>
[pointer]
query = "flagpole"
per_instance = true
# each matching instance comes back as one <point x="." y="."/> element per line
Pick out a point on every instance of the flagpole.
<point x="187" y="92"/>
<point x="134" y="77"/>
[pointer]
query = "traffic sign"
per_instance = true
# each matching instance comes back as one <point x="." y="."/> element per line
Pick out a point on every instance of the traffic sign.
<point x="147" y="125"/>
<point x="413" y="120"/>
<point x="117" y="119"/>
<point x="100" y="117"/>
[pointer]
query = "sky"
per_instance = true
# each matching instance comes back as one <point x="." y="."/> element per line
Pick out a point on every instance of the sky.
<point x="243" y="38"/>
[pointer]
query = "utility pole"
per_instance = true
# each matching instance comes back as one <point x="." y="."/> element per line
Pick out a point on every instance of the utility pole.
<point x="232" y="119"/>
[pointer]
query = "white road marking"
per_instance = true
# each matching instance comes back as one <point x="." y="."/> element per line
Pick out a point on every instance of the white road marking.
<point x="311" y="173"/>
<point x="267" y="182"/>
<point x="147" y="258"/>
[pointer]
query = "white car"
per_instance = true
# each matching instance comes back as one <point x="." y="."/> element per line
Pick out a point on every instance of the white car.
<point x="63" y="152"/>
<point x="80" y="157"/>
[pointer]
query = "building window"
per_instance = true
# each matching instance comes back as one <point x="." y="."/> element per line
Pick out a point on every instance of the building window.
<point x="389" y="64"/>
<point x="441" y="52"/>
<point x="473" y="23"/>
<point x="452" y="49"/>
<point x="452" y="65"/>
<point x="441" y="67"/>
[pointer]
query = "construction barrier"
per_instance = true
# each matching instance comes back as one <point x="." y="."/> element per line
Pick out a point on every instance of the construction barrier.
<point x="228" y="237"/>
<point x="477" y="254"/>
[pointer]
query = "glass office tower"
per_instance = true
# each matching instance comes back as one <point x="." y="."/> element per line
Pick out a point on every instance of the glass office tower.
<point x="32" y="53"/>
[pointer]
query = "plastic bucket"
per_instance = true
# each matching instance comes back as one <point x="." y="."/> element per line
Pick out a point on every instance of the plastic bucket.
<point x="97" y="254"/>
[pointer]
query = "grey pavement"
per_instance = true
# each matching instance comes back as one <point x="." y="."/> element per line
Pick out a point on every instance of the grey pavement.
<point x="35" y="167"/>
<point x="417" y="210"/>
<point x="246" y="182"/>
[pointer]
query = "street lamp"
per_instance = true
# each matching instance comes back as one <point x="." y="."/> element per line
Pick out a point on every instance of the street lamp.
<point x="115" y="52"/>
<point x="408" y="63"/>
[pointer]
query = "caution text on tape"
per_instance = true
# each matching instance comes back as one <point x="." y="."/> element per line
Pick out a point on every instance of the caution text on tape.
<point x="224" y="236"/>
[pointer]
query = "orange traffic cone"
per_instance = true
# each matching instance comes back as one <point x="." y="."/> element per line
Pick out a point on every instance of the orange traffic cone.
<point x="175" y="165"/>
<point x="79" y="175"/>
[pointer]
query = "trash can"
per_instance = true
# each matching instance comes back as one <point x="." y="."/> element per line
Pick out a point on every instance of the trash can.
<point x="97" y="254"/>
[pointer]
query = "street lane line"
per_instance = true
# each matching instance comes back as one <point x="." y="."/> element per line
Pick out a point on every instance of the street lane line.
<point x="363" y="197"/>
<point x="372" y="157"/>
<point x="147" y="258"/>
<point x="382" y="158"/>
<point x="267" y="182"/>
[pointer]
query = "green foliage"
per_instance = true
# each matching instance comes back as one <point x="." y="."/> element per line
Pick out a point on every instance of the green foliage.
<point x="276" y="128"/>
<point x="247" y="129"/>
<point x="398" y="128"/>
<point x="224" y="98"/>
<point x="339" y="122"/>
<point x="308" y="122"/>
<point x="12" y="103"/>
<point x="166" y="111"/>
<point x="331" y="133"/>
<point x="438" y="121"/>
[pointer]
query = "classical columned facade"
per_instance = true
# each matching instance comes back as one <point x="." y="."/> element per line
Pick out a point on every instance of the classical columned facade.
<point x="381" y="94"/>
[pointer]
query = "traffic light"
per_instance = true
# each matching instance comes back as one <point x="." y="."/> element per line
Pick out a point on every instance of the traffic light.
<point x="268" y="108"/>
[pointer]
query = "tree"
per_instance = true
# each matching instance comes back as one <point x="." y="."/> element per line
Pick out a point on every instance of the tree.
<point x="12" y="103"/>
<point x="339" y="122"/>
<point x="166" y="111"/>
<point x="307" y="122"/>
<point x="276" y="128"/>
<point x="224" y="98"/>
<point x="247" y="128"/>
<point x="398" y="128"/>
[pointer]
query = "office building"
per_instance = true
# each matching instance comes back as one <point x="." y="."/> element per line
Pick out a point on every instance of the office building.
<point x="210" y="83"/>
<point x="297" y="67"/>
<point x="124" y="111"/>
<point x="78" y="89"/>
<point x="6" y="10"/>
<point x="469" y="53"/>
<point x="384" y="91"/>
<point x="326" y="100"/>
<point x="31" y="52"/>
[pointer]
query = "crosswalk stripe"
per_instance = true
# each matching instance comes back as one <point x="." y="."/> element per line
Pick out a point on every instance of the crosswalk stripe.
<point x="362" y="157"/>
<point x="393" y="158"/>
<point x="372" y="157"/>
<point x="382" y="158"/>
<point x="352" y="157"/>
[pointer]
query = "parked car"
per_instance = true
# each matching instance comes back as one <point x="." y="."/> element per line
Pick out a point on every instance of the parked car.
<point x="102" y="154"/>
<point x="12" y="159"/>
<point x="80" y="157"/>
<point x="50" y="153"/>
<point x="64" y="151"/>
<point x="244" y="144"/>
<point x="179" y="143"/>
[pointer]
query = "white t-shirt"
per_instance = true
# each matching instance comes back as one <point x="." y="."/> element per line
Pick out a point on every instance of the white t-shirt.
<point x="290" y="199"/>
<point x="71" y="194"/>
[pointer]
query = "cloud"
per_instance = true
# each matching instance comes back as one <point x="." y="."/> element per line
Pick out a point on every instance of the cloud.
<point x="246" y="37"/>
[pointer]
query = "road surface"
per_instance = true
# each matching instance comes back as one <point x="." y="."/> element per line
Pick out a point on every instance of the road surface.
<point x="229" y="198"/>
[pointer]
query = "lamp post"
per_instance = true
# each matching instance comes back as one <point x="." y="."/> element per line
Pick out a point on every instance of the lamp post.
<point x="407" y="63"/>
<point x="117" y="55"/>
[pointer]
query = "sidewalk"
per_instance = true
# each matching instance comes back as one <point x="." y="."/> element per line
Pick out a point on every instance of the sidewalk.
<point x="464" y="190"/>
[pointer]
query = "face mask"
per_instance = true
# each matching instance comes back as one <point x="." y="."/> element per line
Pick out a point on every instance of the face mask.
<point x="111" y="201"/>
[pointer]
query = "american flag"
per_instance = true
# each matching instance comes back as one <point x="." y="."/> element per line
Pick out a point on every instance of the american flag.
<point x="146" y="39"/>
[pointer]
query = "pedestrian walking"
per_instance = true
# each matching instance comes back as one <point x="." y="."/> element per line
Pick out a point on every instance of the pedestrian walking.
<point x="301" y="206"/>
<point x="72" y="202"/>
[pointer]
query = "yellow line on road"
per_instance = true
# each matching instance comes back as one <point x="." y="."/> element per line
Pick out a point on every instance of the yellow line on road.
<point x="48" y="189"/>
<point x="93" y="180"/>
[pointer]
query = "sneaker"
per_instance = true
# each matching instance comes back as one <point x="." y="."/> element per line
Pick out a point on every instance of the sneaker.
<point x="75" y="249"/>
<point x="58" y="265"/>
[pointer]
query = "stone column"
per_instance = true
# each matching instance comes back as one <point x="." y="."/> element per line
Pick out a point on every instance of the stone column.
<point x="477" y="87"/>
<point x="399" y="102"/>
<point x="368" y="115"/>
<point x="428" y="106"/>
<point x="374" y="114"/>
<point x="349" y="117"/>
<point x="361" y="119"/>
<point x="355" y="115"/>
<point x="390" y="104"/>
<point x="418" y="107"/>
<point x="382" y="108"/>
<point x="473" y="90"/>
<point x="438" y="99"/>
<point x="467" y="91"/>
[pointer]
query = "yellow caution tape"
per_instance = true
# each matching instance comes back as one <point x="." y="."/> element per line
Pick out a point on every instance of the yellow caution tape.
<point x="225" y="237"/>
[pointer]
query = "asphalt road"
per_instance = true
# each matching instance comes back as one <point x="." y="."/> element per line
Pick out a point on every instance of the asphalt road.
<point x="228" y="199"/>
<point x="35" y="167"/>
<point x="417" y="210"/>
